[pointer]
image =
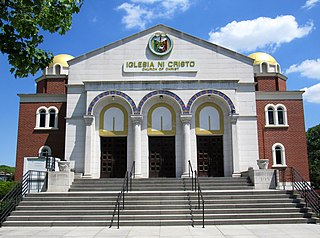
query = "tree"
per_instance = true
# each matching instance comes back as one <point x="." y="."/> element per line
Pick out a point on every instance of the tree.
<point x="21" y="25"/>
<point x="313" y="142"/>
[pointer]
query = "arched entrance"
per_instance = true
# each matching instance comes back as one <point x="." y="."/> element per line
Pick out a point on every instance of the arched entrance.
<point x="113" y="130"/>
<point x="161" y="140"/>
<point x="209" y="135"/>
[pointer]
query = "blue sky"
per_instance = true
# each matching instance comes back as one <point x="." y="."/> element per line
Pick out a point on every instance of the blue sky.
<point x="289" y="30"/>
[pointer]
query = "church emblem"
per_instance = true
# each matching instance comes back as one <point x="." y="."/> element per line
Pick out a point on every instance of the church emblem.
<point x="160" y="43"/>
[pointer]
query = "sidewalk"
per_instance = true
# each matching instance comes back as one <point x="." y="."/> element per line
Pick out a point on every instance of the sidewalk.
<point x="244" y="231"/>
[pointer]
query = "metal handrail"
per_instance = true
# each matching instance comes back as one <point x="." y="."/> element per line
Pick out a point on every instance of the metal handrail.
<point x="190" y="170"/>
<point x="121" y="195"/>
<point x="306" y="191"/>
<point x="200" y="195"/>
<point x="9" y="202"/>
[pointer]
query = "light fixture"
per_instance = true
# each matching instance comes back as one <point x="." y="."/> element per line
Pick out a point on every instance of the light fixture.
<point x="112" y="98"/>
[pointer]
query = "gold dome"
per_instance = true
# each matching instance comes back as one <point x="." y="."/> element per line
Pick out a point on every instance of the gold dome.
<point x="61" y="59"/>
<point x="260" y="57"/>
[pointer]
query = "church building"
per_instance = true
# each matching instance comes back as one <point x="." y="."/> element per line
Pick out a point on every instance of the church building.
<point x="161" y="98"/>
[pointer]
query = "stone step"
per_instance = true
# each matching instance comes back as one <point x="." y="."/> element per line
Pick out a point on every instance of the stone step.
<point x="159" y="211"/>
<point x="158" y="222"/>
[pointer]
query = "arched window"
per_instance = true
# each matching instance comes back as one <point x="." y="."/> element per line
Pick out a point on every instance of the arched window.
<point x="280" y="113"/>
<point x="276" y="115"/>
<point x="264" y="68"/>
<point x="43" y="116"/>
<point x="52" y="118"/>
<point x="113" y="120"/>
<point x="278" y="154"/>
<point x="47" y="118"/>
<point x="209" y="120"/>
<point x="161" y="120"/>
<point x="58" y="69"/>
<point x="45" y="151"/>
<point x="271" y="116"/>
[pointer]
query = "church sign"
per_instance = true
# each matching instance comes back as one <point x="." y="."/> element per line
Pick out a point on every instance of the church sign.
<point x="134" y="66"/>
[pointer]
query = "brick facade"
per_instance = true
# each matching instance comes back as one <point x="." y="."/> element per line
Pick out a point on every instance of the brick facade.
<point x="293" y="137"/>
<point x="270" y="83"/>
<point x="54" y="85"/>
<point x="30" y="140"/>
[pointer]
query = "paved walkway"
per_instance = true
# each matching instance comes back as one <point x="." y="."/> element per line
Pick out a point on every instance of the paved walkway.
<point x="243" y="231"/>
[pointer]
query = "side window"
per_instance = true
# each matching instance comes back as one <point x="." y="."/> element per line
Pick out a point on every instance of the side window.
<point x="52" y="118"/>
<point x="280" y="113"/>
<point x="270" y="116"/>
<point x="276" y="115"/>
<point x="45" y="151"/>
<point x="278" y="154"/>
<point x="58" y="69"/>
<point x="43" y="116"/>
<point x="47" y="118"/>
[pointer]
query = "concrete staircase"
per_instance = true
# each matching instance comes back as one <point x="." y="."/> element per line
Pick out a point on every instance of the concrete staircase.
<point x="158" y="202"/>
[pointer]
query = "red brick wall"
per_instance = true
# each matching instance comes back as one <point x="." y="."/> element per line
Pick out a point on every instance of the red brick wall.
<point x="52" y="86"/>
<point x="282" y="85"/>
<point x="270" y="84"/>
<point x="30" y="140"/>
<point x="42" y="86"/>
<point x="293" y="138"/>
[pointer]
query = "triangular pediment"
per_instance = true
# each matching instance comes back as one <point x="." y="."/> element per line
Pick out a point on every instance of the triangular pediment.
<point x="171" y="31"/>
<point x="133" y="58"/>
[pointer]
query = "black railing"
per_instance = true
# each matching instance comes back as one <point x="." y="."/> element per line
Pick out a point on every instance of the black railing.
<point x="190" y="173"/>
<point x="32" y="181"/>
<point x="127" y="184"/>
<point x="195" y="186"/>
<point x="311" y="197"/>
<point x="200" y="196"/>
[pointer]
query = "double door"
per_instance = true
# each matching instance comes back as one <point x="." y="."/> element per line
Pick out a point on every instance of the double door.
<point x="162" y="162"/>
<point x="210" y="156"/>
<point x="113" y="157"/>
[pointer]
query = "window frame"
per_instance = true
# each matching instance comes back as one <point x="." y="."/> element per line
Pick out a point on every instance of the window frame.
<point x="274" y="155"/>
<point x="275" y="109"/>
<point x="48" y="118"/>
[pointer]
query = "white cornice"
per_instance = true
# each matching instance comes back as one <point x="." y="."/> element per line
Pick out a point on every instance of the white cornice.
<point x="43" y="97"/>
<point x="279" y="95"/>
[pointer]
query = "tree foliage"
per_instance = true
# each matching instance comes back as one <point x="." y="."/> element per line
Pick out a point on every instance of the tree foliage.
<point x="5" y="187"/>
<point x="313" y="142"/>
<point x="22" y="23"/>
<point x="7" y="169"/>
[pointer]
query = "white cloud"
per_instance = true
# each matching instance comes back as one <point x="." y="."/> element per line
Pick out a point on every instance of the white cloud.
<point x="310" y="4"/>
<point x="312" y="94"/>
<point x="308" y="68"/>
<point x="141" y="12"/>
<point x="261" y="33"/>
<point x="136" y="16"/>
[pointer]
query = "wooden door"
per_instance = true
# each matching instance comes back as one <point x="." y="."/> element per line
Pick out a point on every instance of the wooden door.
<point x="162" y="162"/>
<point x="113" y="157"/>
<point x="210" y="156"/>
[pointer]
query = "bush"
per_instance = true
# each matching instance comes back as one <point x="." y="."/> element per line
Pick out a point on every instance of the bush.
<point x="5" y="187"/>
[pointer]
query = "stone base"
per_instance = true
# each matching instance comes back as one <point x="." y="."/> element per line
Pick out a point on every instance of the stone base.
<point x="262" y="179"/>
<point x="60" y="181"/>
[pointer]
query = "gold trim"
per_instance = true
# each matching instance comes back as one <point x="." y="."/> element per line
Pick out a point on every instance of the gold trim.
<point x="209" y="132"/>
<point x="161" y="132"/>
<point x="106" y="133"/>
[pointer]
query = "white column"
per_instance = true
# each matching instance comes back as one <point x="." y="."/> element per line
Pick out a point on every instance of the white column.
<point x="186" y="122"/>
<point x="88" y="119"/>
<point x="235" y="149"/>
<point x="137" y="121"/>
